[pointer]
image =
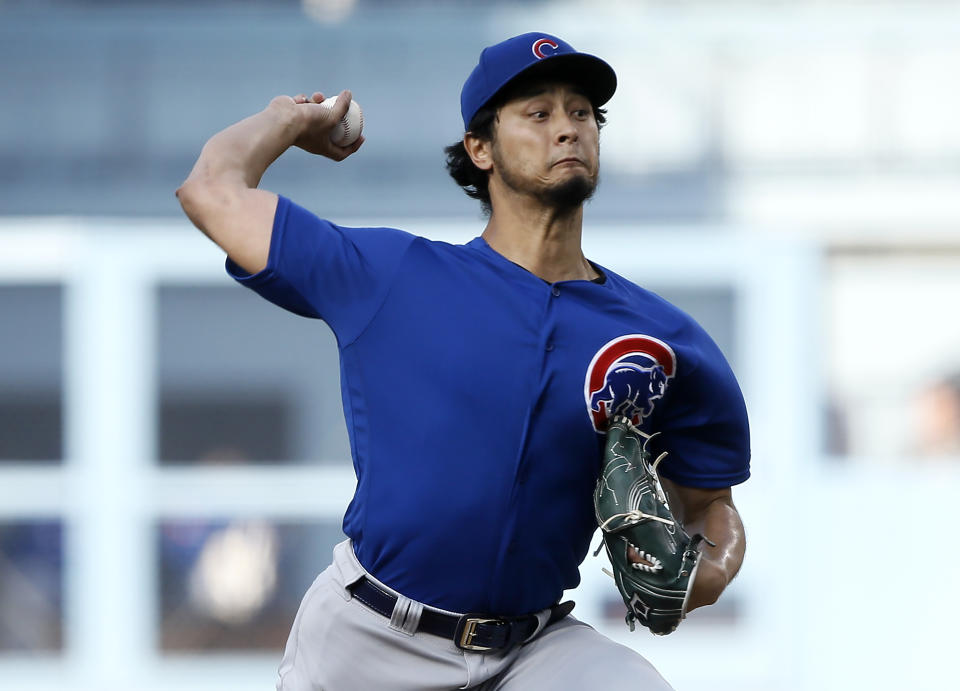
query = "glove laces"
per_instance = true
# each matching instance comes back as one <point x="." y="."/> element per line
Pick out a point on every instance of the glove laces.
<point x="633" y="517"/>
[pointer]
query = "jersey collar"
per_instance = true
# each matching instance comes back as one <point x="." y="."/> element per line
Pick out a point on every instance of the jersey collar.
<point x="478" y="243"/>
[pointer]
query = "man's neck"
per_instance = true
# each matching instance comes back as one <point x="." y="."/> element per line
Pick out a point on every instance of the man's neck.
<point x="544" y="241"/>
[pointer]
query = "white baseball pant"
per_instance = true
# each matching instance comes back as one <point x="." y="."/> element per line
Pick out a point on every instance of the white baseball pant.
<point x="338" y="644"/>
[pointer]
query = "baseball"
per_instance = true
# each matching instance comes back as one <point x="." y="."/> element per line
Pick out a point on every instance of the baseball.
<point x="348" y="129"/>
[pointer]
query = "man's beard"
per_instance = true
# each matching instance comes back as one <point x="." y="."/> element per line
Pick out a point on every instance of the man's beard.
<point x="566" y="195"/>
<point x="569" y="194"/>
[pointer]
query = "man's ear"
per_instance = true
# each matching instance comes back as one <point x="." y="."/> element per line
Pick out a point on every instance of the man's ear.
<point x="479" y="150"/>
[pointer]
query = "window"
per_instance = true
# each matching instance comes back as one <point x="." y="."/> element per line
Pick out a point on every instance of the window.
<point x="893" y="373"/>
<point x="236" y="584"/>
<point x="31" y="586"/>
<point x="31" y="387"/>
<point x="242" y="381"/>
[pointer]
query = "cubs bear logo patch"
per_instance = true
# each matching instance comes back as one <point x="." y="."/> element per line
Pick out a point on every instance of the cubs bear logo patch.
<point x="627" y="376"/>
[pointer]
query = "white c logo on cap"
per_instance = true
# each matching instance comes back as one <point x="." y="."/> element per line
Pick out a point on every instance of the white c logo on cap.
<point x="542" y="43"/>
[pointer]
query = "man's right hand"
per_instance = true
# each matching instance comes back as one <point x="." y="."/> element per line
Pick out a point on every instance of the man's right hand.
<point x="314" y="123"/>
<point x="220" y="195"/>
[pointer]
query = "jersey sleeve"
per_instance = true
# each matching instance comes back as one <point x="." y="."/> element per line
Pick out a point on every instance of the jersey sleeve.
<point x="318" y="269"/>
<point x="703" y="425"/>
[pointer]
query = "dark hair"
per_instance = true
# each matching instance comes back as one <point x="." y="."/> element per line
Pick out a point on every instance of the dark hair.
<point x="475" y="182"/>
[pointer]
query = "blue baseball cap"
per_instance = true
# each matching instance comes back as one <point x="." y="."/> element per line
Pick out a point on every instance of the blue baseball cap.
<point x="528" y="54"/>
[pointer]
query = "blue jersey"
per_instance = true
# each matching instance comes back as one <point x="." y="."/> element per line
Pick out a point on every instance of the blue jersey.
<point x="476" y="396"/>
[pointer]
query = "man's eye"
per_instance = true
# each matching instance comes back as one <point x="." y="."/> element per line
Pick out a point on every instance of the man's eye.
<point x="581" y="113"/>
<point x="539" y="114"/>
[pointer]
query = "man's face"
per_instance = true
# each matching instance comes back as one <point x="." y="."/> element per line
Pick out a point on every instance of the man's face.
<point x="546" y="145"/>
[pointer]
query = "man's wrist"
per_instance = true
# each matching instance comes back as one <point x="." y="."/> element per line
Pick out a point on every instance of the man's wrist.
<point x="285" y="117"/>
<point x="710" y="582"/>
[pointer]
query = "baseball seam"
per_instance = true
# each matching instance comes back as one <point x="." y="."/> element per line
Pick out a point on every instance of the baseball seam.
<point x="346" y="124"/>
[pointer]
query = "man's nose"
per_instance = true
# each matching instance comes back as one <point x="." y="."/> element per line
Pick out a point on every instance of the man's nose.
<point x="567" y="129"/>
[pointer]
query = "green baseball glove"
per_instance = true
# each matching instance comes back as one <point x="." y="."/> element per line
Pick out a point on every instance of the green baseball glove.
<point x="632" y="511"/>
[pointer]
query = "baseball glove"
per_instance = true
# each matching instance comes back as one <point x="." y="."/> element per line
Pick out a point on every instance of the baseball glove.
<point x="632" y="511"/>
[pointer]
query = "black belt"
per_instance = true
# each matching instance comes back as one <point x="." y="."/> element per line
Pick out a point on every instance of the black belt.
<point x="478" y="632"/>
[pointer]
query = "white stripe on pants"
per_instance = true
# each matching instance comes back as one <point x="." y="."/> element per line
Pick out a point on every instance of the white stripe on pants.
<point x="338" y="644"/>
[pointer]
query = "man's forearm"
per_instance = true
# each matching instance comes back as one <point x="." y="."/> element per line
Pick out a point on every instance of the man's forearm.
<point x="241" y="153"/>
<point x="720" y="522"/>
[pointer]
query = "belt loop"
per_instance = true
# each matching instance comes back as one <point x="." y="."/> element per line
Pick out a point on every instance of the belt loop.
<point x="406" y="615"/>
<point x="348" y="565"/>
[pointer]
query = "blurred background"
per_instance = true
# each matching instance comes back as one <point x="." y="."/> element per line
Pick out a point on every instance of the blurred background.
<point x="173" y="459"/>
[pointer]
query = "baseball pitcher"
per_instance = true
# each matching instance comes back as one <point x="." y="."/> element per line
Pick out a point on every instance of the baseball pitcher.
<point x="504" y="399"/>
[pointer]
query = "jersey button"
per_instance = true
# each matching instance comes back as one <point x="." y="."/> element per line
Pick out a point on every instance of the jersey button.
<point x="549" y="347"/>
<point x="556" y="291"/>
